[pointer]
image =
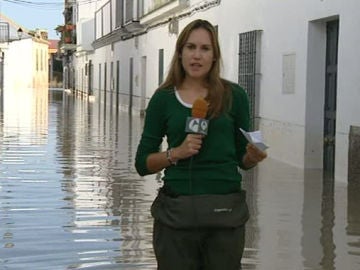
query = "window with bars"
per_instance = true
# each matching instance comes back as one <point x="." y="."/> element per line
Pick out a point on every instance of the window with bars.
<point x="249" y="44"/>
<point x="4" y="32"/>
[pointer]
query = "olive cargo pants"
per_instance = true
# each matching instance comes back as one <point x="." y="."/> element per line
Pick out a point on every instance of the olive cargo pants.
<point x="198" y="249"/>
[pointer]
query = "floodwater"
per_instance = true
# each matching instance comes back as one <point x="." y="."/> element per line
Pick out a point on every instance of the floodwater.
<point x="70" y="197"/>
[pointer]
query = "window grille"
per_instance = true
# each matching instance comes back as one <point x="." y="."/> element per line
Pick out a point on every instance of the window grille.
<point x="248" y="69"/>
<point x="4" y="32"/>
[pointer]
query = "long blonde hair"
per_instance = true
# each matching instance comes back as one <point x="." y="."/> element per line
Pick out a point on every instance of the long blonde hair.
<point x="218" y="89"/>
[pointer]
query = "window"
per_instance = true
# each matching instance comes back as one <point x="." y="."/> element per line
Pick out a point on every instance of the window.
<point x="248" y="65"/>
<point x="129" y="12"/>
<point x="119" y="20"/>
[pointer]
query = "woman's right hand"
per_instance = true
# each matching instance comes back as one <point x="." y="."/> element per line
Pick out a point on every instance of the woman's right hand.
<point x="189" y="147"/>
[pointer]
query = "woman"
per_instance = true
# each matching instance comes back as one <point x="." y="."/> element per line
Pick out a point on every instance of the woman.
<point x="200" y="212"/>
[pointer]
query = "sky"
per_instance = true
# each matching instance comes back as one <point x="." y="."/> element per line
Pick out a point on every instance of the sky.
<point x="32" y="14"/>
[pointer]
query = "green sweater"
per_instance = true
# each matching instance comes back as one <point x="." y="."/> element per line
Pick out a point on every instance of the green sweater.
<point x="215" y="170"/>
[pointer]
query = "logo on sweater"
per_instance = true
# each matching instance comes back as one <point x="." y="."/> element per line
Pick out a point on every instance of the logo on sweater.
<point x="221" y="210"/>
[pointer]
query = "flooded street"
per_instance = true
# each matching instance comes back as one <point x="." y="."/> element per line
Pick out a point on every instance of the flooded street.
<point x="70" y="197"/>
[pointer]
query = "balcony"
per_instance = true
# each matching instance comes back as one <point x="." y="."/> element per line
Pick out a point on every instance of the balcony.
<point x="132" y="22"/>
<point x="133" y="26"/>
<point x="68" y="37"/>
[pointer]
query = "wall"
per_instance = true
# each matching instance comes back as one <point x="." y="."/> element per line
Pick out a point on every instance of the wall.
<point x="26" y="64"/>
<point x="291" y="115"/>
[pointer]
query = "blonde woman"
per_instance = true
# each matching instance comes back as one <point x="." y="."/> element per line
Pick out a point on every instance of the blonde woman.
<point x="200" y="212"/>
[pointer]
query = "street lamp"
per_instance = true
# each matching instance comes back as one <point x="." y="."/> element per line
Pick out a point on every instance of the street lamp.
<point x="20" y="32"/>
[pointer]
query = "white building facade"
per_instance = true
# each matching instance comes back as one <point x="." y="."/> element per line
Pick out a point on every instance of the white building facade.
<point x="298" y="61"/>
<point x="26" y="64"/>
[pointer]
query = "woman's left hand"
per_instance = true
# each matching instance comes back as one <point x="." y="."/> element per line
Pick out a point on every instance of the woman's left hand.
<point x="253" y="155"/>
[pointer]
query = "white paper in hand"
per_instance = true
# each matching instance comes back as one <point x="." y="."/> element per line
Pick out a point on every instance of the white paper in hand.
<point x="255" y="138"/>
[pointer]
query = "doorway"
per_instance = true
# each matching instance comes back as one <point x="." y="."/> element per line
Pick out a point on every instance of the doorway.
<point x="321" y="83"/>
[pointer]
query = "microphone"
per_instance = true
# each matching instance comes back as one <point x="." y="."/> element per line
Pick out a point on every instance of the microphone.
<point x="197" y="124"/>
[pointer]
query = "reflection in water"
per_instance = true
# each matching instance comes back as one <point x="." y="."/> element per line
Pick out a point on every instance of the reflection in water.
<point x="328" y="222"/>
<point x="70" y="197"/>
<point x="318" y="221"/>
<point x="109" y="192"/>
<point x="298" y="220"/>
<point x="311" y="219"/>
<point x="24" y="114"/>
<point x="252" y="227"/>
<point x="23" y="133"/>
